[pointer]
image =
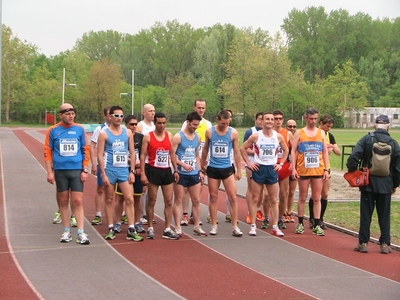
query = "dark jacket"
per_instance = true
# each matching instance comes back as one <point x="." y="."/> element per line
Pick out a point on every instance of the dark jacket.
<point x="362" y="153"/>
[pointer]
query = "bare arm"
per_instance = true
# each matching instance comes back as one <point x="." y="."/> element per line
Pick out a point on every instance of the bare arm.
<point x="236" y="151"/>
<point x="244" y="150"/>
<point x="205" y="150"/>
<point x="101" y="142"/>
<point x="293" y="156"/>
<point x="143" y="154"/>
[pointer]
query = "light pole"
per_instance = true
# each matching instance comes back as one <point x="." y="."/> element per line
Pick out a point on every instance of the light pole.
<point x="131" y="94"/>
<point x="64" y="85"/>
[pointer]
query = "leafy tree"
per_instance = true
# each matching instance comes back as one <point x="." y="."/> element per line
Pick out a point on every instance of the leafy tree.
<point x="102" y="88"/>
<point x="99" y="45"/>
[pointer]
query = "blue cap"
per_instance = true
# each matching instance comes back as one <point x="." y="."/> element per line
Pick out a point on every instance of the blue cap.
<point x="382" y="119"/>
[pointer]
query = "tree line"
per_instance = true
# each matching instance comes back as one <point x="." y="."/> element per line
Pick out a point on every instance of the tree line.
<point x="334" y="61"/>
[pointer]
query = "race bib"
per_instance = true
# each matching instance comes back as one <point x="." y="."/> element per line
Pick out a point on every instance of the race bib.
<point x="68" y="147"/>
<point x="201" y="146"/>
<point x="162" y="159"/>
<point x="220" y="149"/>
<point x="137" y="156"/>
<point x="120" y="158"/>
<point x="267" y="152"/>
<point x="311" y="160"/>
<point x="279" y="152"/>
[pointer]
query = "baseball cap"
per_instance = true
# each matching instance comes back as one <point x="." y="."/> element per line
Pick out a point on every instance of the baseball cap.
<point x="382" y="119"/>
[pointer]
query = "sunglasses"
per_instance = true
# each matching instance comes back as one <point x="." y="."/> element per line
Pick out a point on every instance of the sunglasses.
<point x="278" y="118"/>
<point x="68" y="110"/>
<point x="133" y="124"/>
<point x="117" y="116"/>
<point x="291" y="126"/>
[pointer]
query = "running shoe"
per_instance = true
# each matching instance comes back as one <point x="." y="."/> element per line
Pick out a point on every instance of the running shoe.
<point x="143" y="220"/>
<point x="57" y="219"/>
<point x="260" y="215"/>
<point x="228" y="219"/>
<point x="118" y="228"/>
<point x="131" y="234"/>
<point x="110" y="235"/>
<point x="191" y="221"/>
<point x="74" y="223"/>
<point x="124" y="219"/>
<point x="253" y="231"/>
<point x="82" y="239"/>
<point x="286" y="218"/>
<point x="66" y="237"/>
<point x="97" y="220"/>
<point x="139" y="228"/>
<point x="290" y="218"/>
<point x="185" y="220"/>
<point x="150" y="233"/>
<point x="169" y="234"/>
<point x="277" y="232"/>
<point x="265" y="224"/>
<point x="248" y="219"/>
<point x="236" y="232"/>
<point x="385" y="248"/>
<point x="281" y="225"/>
<point x="300" y="229"/>
<point x="323" y="225"/>
<point x="209" y="220"/>
<point x="178" y="231"/>
<point x="214" y="230"/>
<point x="363" y="248"/>
<point x="197" y="230"/>
<point x="318" y="231"/>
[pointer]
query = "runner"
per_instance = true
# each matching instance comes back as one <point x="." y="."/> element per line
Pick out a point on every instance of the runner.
<point x="115" y="145"/>
<point x="267" y="143"/>
<point x="67" y="160"/>
<point x="285" y="172"/>
<point x="99" y="197"/>
<point x="199" y="106"/>
<point x="309" y="166"/>
<point x="258" y="125"/>
<point x="131" y="123"/>
<point x="290" y="126"/>
<point x="157" y="146"/>
<point x="325" y="123"/>
<point x="185" y="156"/>
<point x="220" y="139"/>
<point x="144" y="127"/>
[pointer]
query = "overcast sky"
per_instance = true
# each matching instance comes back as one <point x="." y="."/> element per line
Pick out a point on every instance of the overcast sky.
<point x="55" y="25"/>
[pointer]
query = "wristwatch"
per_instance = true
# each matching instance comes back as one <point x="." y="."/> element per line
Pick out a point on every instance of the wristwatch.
<point x="85" y="170"/>
<point x="133" y="171"/>
<point x="281" y="164"/>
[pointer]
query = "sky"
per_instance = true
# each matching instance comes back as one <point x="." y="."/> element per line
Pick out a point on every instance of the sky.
<point x="55" y="25"/>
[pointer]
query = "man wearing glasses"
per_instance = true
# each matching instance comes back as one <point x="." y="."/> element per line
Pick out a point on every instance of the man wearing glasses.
<point x="285" y="172"/>
<point x="131" y="123"/>
<point x="67" y="161"/>
<point x="291" y="126"/>
<point x="115" y="145"/>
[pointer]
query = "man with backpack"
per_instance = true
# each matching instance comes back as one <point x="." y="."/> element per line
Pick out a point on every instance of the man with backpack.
<point x="381" y="154"/>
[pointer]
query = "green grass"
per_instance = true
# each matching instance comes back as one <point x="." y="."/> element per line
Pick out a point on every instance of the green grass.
<point x="347" y="215"/>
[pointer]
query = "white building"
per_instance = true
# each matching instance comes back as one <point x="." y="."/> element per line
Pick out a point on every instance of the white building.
<point x="366" y="118"/>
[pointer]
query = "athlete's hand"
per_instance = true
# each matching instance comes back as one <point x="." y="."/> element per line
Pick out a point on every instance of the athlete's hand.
<point x="84" y="176"/>
<point x="94" y="170"/>
<point x="253" y="166"/>
<point x="106" y="181"/>
<point x="131" y="178"/>
<point x="50" y="177"/>
<point x="238" y="175"/>
<point x="144" y="179"/>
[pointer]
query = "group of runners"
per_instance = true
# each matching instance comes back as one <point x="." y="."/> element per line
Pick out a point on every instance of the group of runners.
<point x="133" y="161"/>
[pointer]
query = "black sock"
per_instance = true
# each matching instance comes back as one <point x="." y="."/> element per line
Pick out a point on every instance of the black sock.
<point x="185" y="214"/>
<point x="324" y="204"/>
<point x="311" y="208"/>
<point x="301" y="220"/>
<point x="316" y="222"/>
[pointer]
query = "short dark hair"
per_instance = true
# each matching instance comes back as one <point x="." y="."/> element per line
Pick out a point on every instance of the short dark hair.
<point x="267" y="113"/>
<point x="128" y="118"/>
<point x="327" y="119"/>
<point x="231" y="112"/>
<point x="193" y="116"/>
<point x="223" y="114"/>
<point x="278" y="112"/>
<point x="159" y="115"/>
<point x="311" y="111"/>
<point x="200" y="100"/>
<point x="114" y="108"/>
<point x="106" y="109"/>
<point x="260" y="113"/>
